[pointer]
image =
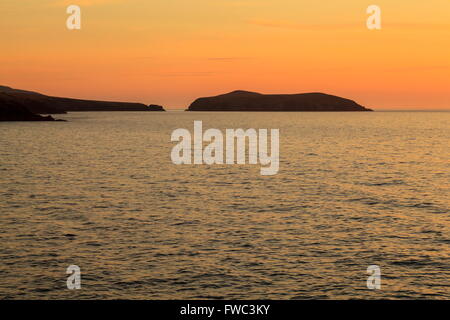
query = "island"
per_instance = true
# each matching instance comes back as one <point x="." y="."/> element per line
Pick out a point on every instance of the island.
<point x="252" y="101"/>
<point x="22" y="105"/>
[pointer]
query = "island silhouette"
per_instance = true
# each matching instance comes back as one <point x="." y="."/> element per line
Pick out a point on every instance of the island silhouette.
<point x="240" y="100"/>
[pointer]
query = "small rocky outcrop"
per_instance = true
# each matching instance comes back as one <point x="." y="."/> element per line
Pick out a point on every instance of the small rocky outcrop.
<point x="155" y="107"/>
<point x="21" y="113"/>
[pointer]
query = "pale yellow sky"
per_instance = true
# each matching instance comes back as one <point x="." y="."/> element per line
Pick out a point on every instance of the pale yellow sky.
<point x="171" y="51"/>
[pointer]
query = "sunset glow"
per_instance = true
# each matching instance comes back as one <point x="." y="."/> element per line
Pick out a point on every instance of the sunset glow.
<point x="171" y="52"/>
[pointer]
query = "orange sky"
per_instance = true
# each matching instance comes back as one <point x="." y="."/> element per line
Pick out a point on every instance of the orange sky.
<point x="171" y="51"/>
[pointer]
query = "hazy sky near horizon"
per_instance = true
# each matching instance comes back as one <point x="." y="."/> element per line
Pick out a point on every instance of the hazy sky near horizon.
<point x="170" y="52"/>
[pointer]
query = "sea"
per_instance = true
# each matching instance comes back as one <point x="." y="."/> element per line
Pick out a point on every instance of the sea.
<point x="354" y="191"/>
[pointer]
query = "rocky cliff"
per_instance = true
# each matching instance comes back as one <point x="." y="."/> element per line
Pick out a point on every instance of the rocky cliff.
<point x="43" y="104"/>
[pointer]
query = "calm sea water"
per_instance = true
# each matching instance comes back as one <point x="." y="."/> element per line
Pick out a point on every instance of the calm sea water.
<point x="100" y="192"/>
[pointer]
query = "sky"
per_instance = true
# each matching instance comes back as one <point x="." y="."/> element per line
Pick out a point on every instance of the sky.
<point x="171" y="52"/>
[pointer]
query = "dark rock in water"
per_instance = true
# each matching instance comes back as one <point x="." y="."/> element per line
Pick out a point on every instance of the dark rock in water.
<point x="39" y="103"/>
<point x="17" y="112"/>
<point x="155" y="107"/>
<point x="252" y="101"/>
